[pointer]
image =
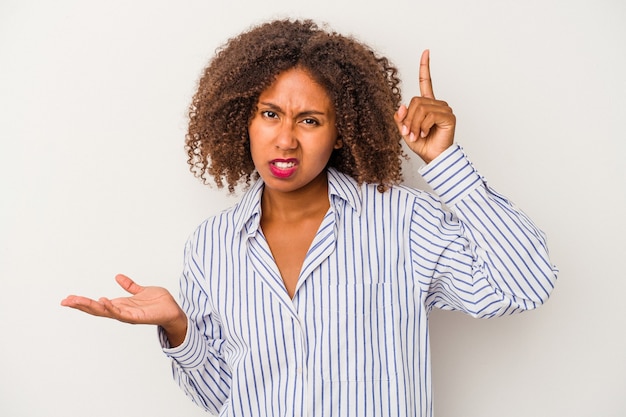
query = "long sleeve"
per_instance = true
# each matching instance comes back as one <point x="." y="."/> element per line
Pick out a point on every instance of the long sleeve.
<point x="486" y="257"/>
<point x="198" y="365"/>
<point x="353" y="340"/>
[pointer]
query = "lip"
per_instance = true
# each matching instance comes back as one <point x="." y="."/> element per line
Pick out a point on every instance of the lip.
<point x="281" y="171"/>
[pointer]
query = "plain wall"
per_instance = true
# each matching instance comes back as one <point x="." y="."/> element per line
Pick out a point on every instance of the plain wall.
<point x="93" y="176"/>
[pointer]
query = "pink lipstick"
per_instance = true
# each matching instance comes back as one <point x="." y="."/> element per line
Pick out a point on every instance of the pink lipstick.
<point x="283" y="168"/>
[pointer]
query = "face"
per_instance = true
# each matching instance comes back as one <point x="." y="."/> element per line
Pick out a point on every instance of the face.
<point x="292" y="133"/>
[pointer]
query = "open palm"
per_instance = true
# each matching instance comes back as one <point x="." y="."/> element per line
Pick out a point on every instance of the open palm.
<point x="147" y="305"/>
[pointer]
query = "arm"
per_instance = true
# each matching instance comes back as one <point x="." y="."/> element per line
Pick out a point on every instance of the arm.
<point x="198" y="363"/>
<point x="188" y="334"/>
<point x="485" y="257"/>
<point x="488" y="258"/>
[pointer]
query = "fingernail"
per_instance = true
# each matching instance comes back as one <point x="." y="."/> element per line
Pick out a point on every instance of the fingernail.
<point x="405" y="130"/>
<point x="423" y="134"/>
<point x="412" y="137"/>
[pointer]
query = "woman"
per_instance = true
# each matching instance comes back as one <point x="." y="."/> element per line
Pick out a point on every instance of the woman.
<point x="311" y="295"/>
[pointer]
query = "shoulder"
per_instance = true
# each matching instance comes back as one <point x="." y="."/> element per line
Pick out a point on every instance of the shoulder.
<point x="202" y="235"/>
<point x="396" y="200"/>
<point x="403" y="197"/>
<point x="226" y="225"/>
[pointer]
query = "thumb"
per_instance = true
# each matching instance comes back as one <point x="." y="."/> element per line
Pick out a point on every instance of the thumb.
<point x="128" y="284"/>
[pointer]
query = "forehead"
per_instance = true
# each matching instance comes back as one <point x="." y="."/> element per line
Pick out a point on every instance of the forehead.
<point x="296" y="87"/>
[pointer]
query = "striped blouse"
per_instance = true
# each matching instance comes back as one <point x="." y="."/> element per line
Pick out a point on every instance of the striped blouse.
<point x="353" y="341"/>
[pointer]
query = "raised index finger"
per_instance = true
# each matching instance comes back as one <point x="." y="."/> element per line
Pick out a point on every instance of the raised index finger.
<point x="426" y="84"/>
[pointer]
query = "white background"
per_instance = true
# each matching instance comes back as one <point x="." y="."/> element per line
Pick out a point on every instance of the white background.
<point x="93" y="100"/>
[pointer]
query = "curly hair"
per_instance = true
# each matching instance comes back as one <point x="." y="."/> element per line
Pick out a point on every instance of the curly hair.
<point x="363" y="87"/>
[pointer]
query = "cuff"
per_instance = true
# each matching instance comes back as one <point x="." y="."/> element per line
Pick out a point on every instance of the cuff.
<point x="451" y="175"/>
<point x="191" y="353"/>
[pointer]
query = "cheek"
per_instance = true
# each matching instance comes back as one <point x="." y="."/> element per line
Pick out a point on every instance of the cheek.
<point x="324" y="152"/>
<point x="253" y="149"/>
<point x="258" y="132"/>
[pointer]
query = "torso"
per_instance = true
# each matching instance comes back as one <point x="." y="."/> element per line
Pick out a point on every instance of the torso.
<point x="289" y="243"/>
<point x="290" y="221"/>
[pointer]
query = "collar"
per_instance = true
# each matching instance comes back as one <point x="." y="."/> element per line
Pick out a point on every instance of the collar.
<point x="342" y="189"/>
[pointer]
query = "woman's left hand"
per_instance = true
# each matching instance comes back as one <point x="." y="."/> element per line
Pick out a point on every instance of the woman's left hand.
<point x="427" y="124"/>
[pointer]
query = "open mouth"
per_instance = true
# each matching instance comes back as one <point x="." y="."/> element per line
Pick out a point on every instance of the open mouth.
<point x="284" y="165"/>
<point x="283" y="168"/>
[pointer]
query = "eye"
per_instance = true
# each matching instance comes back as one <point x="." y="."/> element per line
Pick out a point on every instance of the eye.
<point x="310" y="122"/>
<point x="269" y="114"/>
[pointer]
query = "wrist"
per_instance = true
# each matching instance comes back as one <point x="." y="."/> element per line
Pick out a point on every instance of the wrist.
<point x="176" y="329"/>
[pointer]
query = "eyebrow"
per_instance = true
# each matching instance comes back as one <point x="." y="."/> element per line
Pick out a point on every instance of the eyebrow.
<point x="273" y="106"/>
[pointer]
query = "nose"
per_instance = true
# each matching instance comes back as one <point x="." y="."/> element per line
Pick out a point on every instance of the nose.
<point x="286" y="136"/>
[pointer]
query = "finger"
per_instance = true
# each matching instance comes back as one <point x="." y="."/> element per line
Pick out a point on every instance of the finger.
<point x="426" y="85"/>
<point x="112" y="310"/>
<point x="128" y="284"/>
<point x="86" y="305"/>
<point x="418" y="109"/>
<point x="399" y="118"/>
<point x="427" y="123"/>
<point x="76" y="300"/>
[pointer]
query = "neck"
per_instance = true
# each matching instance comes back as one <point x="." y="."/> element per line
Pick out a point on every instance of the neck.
<point x="296" y="205"/>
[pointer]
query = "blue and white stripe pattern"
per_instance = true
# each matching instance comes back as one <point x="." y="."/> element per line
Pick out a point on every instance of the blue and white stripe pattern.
<point x="354" y="339"/>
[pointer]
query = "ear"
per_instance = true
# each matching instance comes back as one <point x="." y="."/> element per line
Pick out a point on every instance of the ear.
<point x="338" y="143"/>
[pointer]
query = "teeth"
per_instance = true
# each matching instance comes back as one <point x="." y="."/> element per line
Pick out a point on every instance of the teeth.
<point x="284" y="165"/>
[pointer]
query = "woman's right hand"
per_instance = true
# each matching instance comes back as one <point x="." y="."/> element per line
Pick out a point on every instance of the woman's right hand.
<point x="147" y="305"/>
